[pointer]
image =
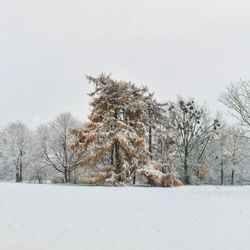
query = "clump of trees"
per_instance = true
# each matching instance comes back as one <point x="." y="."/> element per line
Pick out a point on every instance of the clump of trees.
<point x="40" y="155"/>
<point x="115" y="135"/>
<point x="132" y="139"/>
<point x="231" y="150"/>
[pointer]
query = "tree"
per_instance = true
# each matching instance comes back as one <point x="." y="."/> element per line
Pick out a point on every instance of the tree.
<point x="115" y="133"/>
<point x="158" y="132"/>
<point x="230" y="149"/>
<point x="16" y="149"/>
<point x="39" y="171"/>
<point x="237" y="99"/>
<point x="237" y="146"/>
<point x="192" y="132"/>
<point x="54" y="141"/>
<point x="221" y="152"/>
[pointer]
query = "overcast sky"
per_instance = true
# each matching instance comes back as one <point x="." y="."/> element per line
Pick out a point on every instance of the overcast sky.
<point x="176" y="47"/>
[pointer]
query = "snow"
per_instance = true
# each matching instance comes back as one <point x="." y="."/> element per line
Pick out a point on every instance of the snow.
<point x="57" y="217"/>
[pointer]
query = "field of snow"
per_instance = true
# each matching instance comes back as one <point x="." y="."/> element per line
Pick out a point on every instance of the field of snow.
<point x="54" y="217"/>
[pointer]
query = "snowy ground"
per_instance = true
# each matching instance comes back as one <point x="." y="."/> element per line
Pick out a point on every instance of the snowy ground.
<point x="54" y="217"/>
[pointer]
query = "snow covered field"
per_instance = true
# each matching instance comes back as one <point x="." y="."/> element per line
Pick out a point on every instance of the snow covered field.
<point x="54" y="217"/>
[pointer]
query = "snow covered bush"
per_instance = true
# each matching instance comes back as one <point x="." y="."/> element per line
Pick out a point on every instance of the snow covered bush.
<point x="149" y="175"/>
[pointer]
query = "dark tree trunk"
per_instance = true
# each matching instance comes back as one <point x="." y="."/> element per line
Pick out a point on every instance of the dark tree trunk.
<point x="232" y="177"/>
<point x="20" y="175"/>
<point x="66" y="177"/>
<point x="69" y="176"/>
<point x="17" y="175"/>
<point x="134" y="178"/>
<point x="186" y="172"/>
<point x="221" y="176"/>
<point x="112" y="156"/>
<point x="67" y="172"/>
<point x="187" y="178"/>
<point x="21" y="172"/>
<point x="116" y="151"/>
<point x="40" y="179"/>
<point x="117" y="157"/>
<point x="150" y="148"/>
<point x="164" y="169"/>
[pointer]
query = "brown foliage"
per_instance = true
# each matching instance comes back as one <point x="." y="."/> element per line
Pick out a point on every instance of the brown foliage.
<point x="157" y="178"/>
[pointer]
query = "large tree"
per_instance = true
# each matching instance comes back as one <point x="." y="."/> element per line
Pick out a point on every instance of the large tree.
<point x="115" y="134"/>
<point x="192" y="133"/>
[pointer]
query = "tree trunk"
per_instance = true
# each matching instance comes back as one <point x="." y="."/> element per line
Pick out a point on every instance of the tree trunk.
<point x="17" y="174"/>
<point x="117" y="157"/>
<point x="116" y="150"/>
<point x="221" y="176"/>
<point x="187" y="177"/>
<point x="232" y="177"/>
<point x="186" y="172"/>
<point x="67" y="172"/>
<point x="134" y="178"/>
<point x="21" y="172"/>
<point x="66" y="177"/>
<point x="69" y="176"/>
<point x="150" y="148"/>
<point x="21" y="167"/>
<point x="112" y="156"/>
<point x="40" y="181"/>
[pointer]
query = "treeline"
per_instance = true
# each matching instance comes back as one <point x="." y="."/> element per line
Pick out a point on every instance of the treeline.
<point x="131" y="138"/>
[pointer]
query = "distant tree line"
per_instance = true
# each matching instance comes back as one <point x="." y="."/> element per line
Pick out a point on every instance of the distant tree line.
<point x="132" y="139"/>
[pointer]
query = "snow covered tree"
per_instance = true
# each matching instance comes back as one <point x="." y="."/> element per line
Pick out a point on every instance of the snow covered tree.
<point x="237" y="147"/>
<point x="237" y="100"/>
<point x="158" y="132"/>
<point x="16" y="150"/>
<point x="221" y="154"/>
<point x="53" y="144"/>
<point x="115" y="133"/>
<point x="39" y="171"/>
<point x="192" y="133"/>
<point x="153" y="116"/>
<point x="230" y="149"/>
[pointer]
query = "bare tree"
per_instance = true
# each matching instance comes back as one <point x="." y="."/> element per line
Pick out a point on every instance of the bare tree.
<point x="237" y="147"/>
<point x="54" y="141"/>
<point x="237" y="100"/>
<point x="16" y="149"/>
<point x="158" y="132"/>
<point x="230" y="149"/>
<point x="192" y="132"/>
<point x="221" y="153"/>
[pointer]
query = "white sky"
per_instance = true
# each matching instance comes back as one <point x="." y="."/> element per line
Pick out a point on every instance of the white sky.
<point x="188" y="47"/>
